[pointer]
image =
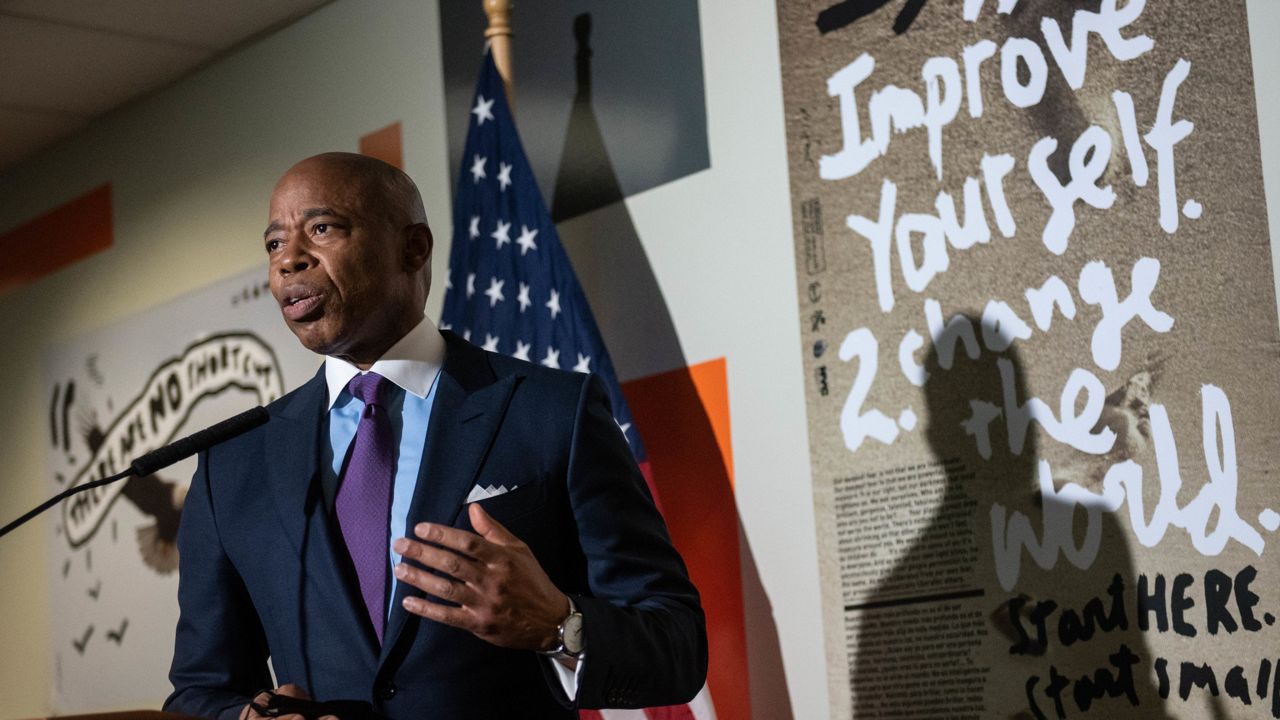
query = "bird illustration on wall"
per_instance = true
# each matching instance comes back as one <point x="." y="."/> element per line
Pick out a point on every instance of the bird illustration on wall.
<point x="154" y="497"/>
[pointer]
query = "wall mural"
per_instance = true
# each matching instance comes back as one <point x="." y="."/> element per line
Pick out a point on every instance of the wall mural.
<point x="1040" y="335"/>
<point x="118" y="393"/>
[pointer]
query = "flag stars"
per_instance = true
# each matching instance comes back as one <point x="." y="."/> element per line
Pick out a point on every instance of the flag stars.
<point x="584" y="364"/>
<point x="471" y="285"/>
<point x="504" y="175"/>
<point x="483" y="110"/>
<point x="490" y="343"/>
<point x="624" y="427"/>
<point x="554" y="303"/>
<point x="552" y="360"/>
<point x="502" y="234"/>
<point x="494" y="293"/>
<point x="522" y="351"/>
<point x="523" y="297"/>
<point x="477" y="168"/>
<point x="525" y="241"/>
<point x="474" y="230"/>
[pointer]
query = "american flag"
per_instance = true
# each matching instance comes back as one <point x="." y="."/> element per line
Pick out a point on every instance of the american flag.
<point x="511" y="289"/>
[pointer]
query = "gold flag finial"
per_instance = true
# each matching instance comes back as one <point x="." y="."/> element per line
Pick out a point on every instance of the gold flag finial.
<point x="499" y="36"/>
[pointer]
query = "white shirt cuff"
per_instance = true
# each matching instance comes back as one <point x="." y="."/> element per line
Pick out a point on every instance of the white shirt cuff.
<point x="568" y="678"/>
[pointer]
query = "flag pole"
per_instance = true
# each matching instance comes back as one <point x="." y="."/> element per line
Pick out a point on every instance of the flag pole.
<point x="499" y="36"/>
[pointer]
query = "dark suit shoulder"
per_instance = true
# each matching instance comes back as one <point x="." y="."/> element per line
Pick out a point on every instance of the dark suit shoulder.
<point x="562" y="380"/>
<point x="466" y="359"/>
<point x="304" y="401"/>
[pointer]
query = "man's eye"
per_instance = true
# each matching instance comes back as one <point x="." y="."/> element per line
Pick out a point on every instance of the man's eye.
<point x="273" y="245"/>
<point x="320" y="228"/>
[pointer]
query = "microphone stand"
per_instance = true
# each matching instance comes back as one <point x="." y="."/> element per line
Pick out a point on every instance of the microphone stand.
<point x="63" y="496"/>
<point x="160" y="458"/>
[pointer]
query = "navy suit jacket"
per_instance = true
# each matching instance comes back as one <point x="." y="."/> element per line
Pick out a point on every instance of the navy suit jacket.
<point x="264" y="572"/>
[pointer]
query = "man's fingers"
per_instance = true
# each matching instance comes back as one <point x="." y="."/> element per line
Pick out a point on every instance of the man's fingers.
<point x="467" y="543"/>
<point x="446" y="561"/>
<point x="264" y="697"/>
<point x="455" y="616"/>
<point x="482" y="625"/>
<point x="490" y="529"/>
<point x="293" y="691"/>
<point x="443" y="588"/>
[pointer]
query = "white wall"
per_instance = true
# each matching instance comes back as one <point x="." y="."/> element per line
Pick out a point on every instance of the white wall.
<point x="720" y="245"/>
<point x="1264" y="22"/>
<point x="192" y="166"/>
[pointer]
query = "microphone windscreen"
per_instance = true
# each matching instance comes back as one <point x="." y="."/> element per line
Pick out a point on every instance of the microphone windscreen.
<point x="201" y="440"/>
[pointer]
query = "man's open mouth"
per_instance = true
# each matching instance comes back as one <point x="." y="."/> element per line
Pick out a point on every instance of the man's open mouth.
<point x="300" y="306"/>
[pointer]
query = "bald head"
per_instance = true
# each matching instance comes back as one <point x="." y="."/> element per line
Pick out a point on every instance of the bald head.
<point x="349" y="254"/>
<point x="382" y="183"/>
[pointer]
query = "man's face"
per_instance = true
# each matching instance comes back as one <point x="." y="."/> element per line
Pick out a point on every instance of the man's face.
<point x="339" y="264"/>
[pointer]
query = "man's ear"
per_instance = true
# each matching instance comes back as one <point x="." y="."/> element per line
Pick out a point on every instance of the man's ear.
<point x="418" y="245"/>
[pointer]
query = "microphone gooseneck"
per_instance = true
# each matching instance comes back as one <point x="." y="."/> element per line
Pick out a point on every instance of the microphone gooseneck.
<point x="160" y="458"/>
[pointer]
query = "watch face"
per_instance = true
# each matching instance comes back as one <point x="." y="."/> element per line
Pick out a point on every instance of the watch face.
<point x="573" y="640"/>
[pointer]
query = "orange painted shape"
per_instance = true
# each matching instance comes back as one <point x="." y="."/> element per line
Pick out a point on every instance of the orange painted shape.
<point x="384" y="144"/>
<point x="711" y="380"/>
<point x="56" y="239"/>
<point x="683" y="416"/>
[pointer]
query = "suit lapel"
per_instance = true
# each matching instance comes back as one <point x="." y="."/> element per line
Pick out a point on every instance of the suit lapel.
<point x="468" y="409"/>
<point x="291" y="456"/>
<point x="292" y="462"/>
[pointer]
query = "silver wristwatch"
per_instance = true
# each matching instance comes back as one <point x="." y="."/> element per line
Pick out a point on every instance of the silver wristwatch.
<point x="569" y="634"/>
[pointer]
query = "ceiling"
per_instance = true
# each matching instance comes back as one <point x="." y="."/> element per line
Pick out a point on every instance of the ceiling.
<point x="65" y="62"/>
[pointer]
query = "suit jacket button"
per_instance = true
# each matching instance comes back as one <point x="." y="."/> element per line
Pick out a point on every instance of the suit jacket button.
<point x="386" y="691"/>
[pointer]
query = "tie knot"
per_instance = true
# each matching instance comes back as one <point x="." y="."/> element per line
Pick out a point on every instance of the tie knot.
<point x="366" y="387"/>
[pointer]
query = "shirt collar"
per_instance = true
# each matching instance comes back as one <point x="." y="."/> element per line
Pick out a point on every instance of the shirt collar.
<point x="412" y="363"/>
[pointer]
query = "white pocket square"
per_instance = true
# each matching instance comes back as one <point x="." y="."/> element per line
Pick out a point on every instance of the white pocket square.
<point x="484" y="493"/>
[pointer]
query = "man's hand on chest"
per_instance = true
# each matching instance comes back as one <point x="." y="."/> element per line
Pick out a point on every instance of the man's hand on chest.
<point x="499" y="592"/>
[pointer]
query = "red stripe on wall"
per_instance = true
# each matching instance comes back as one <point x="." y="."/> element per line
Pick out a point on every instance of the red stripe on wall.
<point x="56" y="239"/>
<point x="683" y="416"/>
<point x="673" y="712"/>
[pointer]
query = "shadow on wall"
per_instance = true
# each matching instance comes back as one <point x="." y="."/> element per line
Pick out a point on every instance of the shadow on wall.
<point x="648" y="87"/>
<point x="907" y="664"/>
<point x="586" y="180"/>
<point x="633" y="316"/>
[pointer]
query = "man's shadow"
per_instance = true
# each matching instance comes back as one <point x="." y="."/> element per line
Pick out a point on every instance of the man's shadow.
<point x="921" y="656"/>
<point x="614" y="270"/>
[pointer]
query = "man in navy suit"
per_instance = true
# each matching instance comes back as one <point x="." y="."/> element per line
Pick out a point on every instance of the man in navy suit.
<point x="561" y="592"/>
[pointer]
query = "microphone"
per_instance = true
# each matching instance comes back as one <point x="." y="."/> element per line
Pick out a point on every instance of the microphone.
<point x="161" y="458"/>
<point x="200" y="440"/>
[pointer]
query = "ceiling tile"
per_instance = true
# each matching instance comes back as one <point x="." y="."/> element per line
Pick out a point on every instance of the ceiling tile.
<point x="63" y="62"/>
<point x="198" y="23"/>
<point x="24" y="133"/>
<point x="82" y="72"/>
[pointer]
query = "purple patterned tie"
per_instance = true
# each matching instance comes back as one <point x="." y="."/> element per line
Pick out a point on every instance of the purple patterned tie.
<point x="364" y="497"/>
